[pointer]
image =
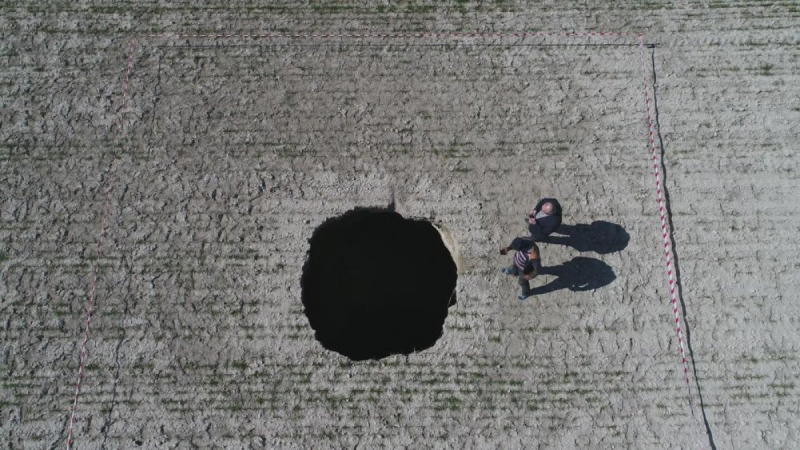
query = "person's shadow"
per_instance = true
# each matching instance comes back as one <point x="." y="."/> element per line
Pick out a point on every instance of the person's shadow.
<point x="600" y="237"/>
<point x="579" y="274"/>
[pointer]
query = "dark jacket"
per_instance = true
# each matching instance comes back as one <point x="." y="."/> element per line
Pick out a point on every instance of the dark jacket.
<point x="546" y="225"/>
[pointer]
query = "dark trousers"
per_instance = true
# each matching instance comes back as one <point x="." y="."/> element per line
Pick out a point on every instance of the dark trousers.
<point x="523" y="283"/>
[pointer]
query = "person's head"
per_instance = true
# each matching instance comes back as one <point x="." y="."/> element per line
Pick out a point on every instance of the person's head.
<point x="548" y="208"/>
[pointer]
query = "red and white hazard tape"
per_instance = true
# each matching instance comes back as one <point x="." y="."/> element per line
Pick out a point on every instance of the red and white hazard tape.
<point x="665" y="227"/>
<point x="452" y="34"/>
<point x="84" y="353"/>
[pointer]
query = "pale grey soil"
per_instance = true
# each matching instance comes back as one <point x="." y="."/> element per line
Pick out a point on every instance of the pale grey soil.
<point x="233" y="150"/>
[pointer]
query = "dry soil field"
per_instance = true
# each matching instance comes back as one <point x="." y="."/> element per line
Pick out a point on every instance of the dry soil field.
<point x="164" y="166"/>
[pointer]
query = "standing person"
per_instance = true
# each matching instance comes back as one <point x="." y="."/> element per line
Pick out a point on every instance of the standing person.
<point x="544" y="219"/>
<point x="526" y="263"/>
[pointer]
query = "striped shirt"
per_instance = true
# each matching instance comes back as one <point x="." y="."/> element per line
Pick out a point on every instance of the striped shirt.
<point x="521" y="257"/>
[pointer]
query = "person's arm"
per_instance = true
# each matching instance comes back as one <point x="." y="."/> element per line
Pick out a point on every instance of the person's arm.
<point x="520" y="244"/>
<point x="532" y="268"/>
<point x="547" y="225"/>
<point x="536" y="230"/>
<point x="538" y="207"/>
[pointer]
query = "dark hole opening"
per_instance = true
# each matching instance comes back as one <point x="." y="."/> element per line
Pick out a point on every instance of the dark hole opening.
<point x="376" y="284"/>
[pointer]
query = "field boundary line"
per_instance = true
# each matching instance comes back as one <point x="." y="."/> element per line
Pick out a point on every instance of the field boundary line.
<point x="399" y="35"/>
<point x="666" y="231"/>
<point x="83" y="355"/>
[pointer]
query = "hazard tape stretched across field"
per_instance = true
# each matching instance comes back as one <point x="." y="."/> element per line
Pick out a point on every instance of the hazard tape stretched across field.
<point x="665" y="226"/>
<point x="451" y="34"/>
<point x="84" y="352"/>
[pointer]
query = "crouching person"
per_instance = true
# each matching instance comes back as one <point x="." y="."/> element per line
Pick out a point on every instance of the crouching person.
<point x="526" y="263"/>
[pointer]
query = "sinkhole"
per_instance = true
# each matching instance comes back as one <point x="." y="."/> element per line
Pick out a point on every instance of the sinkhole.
<point x="376" y="284"/>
